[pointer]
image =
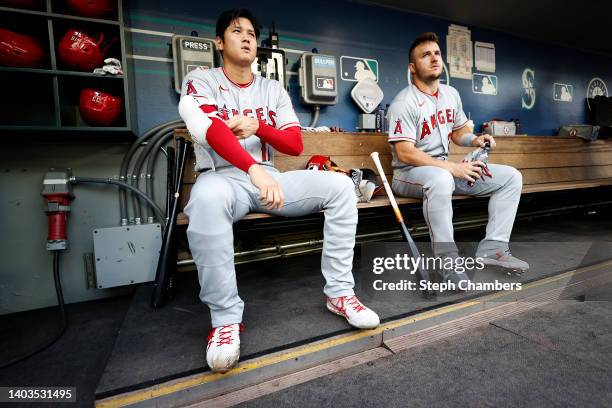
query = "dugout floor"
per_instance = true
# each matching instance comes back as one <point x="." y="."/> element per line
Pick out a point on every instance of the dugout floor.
<point x="117" y="345"/>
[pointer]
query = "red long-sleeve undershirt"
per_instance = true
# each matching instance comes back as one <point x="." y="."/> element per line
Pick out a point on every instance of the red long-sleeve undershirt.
<point x="224" y="142"/>
<point x="288" y="141"/>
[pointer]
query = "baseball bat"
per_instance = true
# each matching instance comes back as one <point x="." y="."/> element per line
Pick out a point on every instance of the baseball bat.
<point x="164" y="285"/>
<point x="423" y="274"/>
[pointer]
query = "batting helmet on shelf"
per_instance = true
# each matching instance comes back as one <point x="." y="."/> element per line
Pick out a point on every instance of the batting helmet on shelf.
<point x="82" y="51"/>
<point x="100" y="108"/>
<point x="20" y="50"/>
<point x="93" y="8"/>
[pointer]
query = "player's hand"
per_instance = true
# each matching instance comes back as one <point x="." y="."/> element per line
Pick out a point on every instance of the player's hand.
<point x="482" y="139"/>
<point x="243" y="126"/>
<point x="470" y="171"/>
<point x="270" y="193"/>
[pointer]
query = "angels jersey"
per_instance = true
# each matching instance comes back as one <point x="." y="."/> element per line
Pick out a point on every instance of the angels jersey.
<point x="425" y="120"/>
<point x="262" y="98"/>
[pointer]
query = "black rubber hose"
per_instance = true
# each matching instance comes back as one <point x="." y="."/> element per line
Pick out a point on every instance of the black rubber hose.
<point x="158" y="211"/>
<point x="128" y="157"/>
<point x="62" y="310"/>
<point x="153" y="142"/>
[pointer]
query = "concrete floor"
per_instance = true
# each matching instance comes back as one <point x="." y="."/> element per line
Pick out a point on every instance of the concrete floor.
<point x="555" y="356"/>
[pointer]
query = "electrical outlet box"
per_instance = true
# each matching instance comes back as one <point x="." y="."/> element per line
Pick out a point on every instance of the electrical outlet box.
<point x="126" y="255"/>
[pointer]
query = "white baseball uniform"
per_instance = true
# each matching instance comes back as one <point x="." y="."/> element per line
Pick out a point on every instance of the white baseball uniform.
<point x="223" y="194"/>
<point x="427" y="121"/>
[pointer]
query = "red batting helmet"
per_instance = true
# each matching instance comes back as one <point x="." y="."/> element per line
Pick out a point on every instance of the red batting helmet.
<point x="99" y="108"/>
<point x="19" y="50"/>
<point x="81" y="51"/>
<point x="93" y="8"/>
<point x="318" y="162"/>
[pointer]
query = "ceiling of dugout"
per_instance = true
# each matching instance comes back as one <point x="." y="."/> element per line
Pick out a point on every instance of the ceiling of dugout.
<point x="572" y="24"/>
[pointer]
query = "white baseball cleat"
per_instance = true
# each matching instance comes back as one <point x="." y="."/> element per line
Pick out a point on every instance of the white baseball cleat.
<point x="223" y="349"/>
<point x="354" y="311"/>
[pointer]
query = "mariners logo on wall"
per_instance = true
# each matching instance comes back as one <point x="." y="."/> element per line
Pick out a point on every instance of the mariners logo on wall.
<point x="597" y="87"/>
<point x="529" y="93"/>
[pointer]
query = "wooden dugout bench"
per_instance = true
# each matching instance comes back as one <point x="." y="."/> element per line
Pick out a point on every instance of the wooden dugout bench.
<point x="548" y="163"/>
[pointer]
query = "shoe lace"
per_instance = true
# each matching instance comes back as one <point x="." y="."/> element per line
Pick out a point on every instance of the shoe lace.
<point x="225" y="334"/>
<point x="354" y="303"/>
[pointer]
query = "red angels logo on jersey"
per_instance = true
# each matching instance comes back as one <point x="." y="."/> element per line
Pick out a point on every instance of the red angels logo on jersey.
<point x="259" y="114"/>
<point x="442" y="117"/>
<point x="398" y="127"/>
<point x="190" y="88"/>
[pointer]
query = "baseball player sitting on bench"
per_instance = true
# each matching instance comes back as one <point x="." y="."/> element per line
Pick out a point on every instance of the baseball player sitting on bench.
<point x="237" y="120"/>
<point x="423" y="118"/>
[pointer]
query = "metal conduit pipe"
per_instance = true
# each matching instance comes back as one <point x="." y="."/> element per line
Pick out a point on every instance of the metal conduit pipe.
<point x="128" y="157"/>
<point x="121" y="184"/>
<point x="153" y="143"/>
<point x="138" y="159"/>
<point x="313" y="246"/>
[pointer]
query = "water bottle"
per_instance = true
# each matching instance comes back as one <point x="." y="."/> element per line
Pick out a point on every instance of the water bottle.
<point x="386" y="119"/>
<point x="480" y="154"/>
<point x="380" y="114"/>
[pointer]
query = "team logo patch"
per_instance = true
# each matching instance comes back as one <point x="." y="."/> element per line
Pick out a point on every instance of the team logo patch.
<point x="190" y="88"/>
<point x="398" y="127"/>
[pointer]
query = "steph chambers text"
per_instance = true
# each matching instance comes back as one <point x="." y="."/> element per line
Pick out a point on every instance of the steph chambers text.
<point x="407" y="285"/>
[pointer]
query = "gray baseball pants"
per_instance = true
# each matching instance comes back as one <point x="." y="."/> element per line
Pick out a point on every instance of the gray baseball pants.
<point x="220" y="198"/>
<point x="436" y="187"/>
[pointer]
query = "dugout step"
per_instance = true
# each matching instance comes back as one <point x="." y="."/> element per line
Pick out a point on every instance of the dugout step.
<point x="395" y="335"/>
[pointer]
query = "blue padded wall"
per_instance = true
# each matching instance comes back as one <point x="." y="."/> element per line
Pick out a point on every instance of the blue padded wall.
<point x="345" y="28"/>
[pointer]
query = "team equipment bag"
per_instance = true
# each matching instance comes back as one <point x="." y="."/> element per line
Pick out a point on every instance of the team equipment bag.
<point x="499" y="128"/>
<point x="586" y="132"/>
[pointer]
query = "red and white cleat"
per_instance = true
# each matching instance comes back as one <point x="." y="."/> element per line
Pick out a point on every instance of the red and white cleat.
<point x="223" y="349"/>
<point x="354" y="311"/>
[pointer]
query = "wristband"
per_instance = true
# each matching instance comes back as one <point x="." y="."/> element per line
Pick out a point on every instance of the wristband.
<point x="467" y="139"/>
